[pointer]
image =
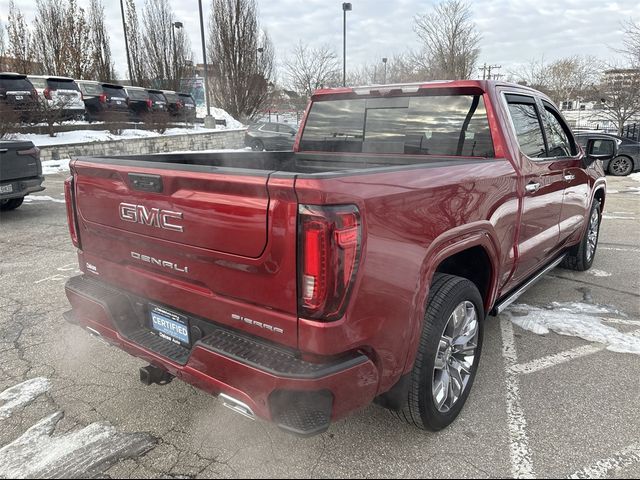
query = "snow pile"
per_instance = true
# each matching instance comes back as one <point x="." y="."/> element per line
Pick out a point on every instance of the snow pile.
<point x="574" y="319"/>
<point x="598" y="273"/>
<point x="21" y="395"/>
<point x="55" y="166"/>
<point x="635" y="176"/>
<point x="41" y="198"/>
<point x="219" y="114"/>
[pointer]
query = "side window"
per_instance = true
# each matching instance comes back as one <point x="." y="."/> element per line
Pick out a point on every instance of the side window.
<point x="558" y="137"/>
<point x="526" y="122"/>
<point x="269" y="127"/>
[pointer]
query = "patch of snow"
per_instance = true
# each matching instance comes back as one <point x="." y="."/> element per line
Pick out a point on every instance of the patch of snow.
<point x="635" y="176"/>
<point x="613" y="191"/>
<point x="21" y="395"/>
<point x="616" y="217"/>
<point x="574" y="319"/>
<point x="55" y="166"/>
<point x="41" y="198"/>
<point x="78" y="454"/>
<point x="633" y="190"/>
<point x="598" y="273"/>
<point x="227" y="150"/>
<point x="219" y="114"/>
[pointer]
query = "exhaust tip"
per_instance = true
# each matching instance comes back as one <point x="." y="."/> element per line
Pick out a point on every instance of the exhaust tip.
<point x="237" y="406"/>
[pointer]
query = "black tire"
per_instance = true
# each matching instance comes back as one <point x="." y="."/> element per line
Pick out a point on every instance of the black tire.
<point x="579" y="257"/>
<point x="621" y="166"/>
<point x="257" y="146"/>
<point x="11" y="204"/>
<point x="447" y="293"/>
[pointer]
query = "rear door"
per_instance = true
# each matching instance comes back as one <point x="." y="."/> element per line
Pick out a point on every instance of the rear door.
<point x="542" y="189"/>
<point x="15" y="166"/>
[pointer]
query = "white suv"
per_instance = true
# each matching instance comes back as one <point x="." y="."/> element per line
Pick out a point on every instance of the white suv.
<point x="60" y="93"/>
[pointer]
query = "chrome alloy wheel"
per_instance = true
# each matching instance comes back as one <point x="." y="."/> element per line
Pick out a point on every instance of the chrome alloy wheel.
<point x="456" y="356"/>
<point x="592" y="234"/>
<point x="621" y="166"/>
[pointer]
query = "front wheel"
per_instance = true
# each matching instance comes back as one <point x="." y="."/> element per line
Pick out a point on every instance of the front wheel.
<point x="581" y="256"/>
<point x="448" y="354"/>
<point x="10" y="204"/>
<point x="257" y="146"/>
<point x="620" y="166"/>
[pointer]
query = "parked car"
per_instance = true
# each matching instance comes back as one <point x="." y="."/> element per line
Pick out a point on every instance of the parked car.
<point x="139" y="101"/>
<point x="188" y="111"/>
<point x="61" y="94"/>
<point x="20" y="172"/>
<point x="159" y="101"/>
<point x="18" y="95"/>
<point x="627" y="159"/>
<point x="270" y="136"/>
<point x="104" y="101"/>
<point x="301" y="286"/>
<point x="174" y="103"/>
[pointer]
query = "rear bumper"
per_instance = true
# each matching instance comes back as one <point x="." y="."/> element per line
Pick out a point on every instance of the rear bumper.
<point x="299" y="396"/>
<point x="22" y="187"/>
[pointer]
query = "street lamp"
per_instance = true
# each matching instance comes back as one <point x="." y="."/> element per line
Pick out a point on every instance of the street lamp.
<point x="175" y="48"/>
<point x="346" y="7"/>
<point x="384" y="60"/>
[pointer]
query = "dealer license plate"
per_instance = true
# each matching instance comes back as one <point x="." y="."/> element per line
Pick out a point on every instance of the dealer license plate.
<point x="170" y="325"/>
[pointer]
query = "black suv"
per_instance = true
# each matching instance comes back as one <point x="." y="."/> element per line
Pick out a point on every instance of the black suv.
<point x="159" y="102"/>
<point x="270" y="136"/>
<point x="104" y="101"/>
<point x="627" y="157"/>
<point x="17" y="96"/>
<point x="188" y="111"/>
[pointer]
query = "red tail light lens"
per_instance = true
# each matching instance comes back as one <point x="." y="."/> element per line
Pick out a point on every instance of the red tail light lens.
<point x="34" y="152"/>
<point x="47" y="93"/>
<point x="329" y="243"/>
<point x="103" y="98"/>
<point x="72" y="219"/>
<point x="149" y="103"/>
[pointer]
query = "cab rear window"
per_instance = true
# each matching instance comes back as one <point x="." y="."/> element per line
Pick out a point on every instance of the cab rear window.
<point x="449" y="125"/>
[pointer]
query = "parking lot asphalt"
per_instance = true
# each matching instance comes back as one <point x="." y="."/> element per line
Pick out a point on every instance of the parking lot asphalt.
<point x="542" y="406"/>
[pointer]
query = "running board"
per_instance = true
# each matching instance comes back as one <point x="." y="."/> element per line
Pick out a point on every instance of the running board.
<point x="502" y="305"/>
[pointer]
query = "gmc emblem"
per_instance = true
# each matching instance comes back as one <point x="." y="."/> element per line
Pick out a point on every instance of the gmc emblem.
<point x="154" y="217"/>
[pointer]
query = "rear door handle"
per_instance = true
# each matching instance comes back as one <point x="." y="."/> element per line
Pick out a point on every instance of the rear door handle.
<point x="569" y="177"/>
<point x="532" y="187"/>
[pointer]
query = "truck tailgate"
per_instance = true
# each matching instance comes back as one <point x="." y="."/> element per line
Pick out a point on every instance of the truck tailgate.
<point x="210" y="242"/>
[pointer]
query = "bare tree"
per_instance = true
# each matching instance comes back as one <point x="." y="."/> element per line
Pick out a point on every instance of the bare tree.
<point x="241" y="56"/>
<point x="48" y="38"/>
<point x="20" y="42"/>
<point x="619" y="93"/>
<point x="101" y="63"/>
<point x="311" y="68"/>
<point x="631" y="42"/>
<point x="136" y="50"/>
<point x="76" y="42"/>
<point x="167" y="49"/>
<point x="450" y="40"/>
<point x="3" y="45"/>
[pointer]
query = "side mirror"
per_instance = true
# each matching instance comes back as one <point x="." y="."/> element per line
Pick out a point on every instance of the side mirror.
<point x="600" y="149"/>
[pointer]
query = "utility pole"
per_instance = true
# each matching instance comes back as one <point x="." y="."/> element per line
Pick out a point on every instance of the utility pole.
<point x="490" y="67"/>
<point x="346" y="7"/>
<point x="207" y="119"/>
<point x="126" y="42"/>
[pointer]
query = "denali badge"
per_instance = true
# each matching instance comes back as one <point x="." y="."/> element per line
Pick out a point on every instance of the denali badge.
<point x="160" y="263"/>
<point x="154" y="217"/>
<point x="248" y="321"/>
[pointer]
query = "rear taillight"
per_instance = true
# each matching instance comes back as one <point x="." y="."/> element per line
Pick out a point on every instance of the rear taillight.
<point x="34" y="94"/>
<point x="179" y="105"/>
<point x="149" y="103"/>
<point x="47" y="93"/>
<point x="34" y="152"/>
<point x="103" y="98"/>
<point x="72" y="218"/>
<point x="329" y="243"/>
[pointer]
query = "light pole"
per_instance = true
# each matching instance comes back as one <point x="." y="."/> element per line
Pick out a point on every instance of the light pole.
<point x="207" y="119"/>
<point x="175" y="49"/>
<point x="126" y="42"/>
<point x="384" y="61"/>
<point x="346" y="7"/>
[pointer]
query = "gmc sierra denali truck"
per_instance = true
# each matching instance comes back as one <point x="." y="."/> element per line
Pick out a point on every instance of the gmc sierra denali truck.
<point x="301" y="286"/>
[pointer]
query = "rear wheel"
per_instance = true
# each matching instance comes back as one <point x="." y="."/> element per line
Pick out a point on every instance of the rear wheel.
<point x="620" y="166"/>
<point x="11" y="203"/>
<point x="581" y="256"/>
<point x="257" y="146"/>
<point x="448" y="354"/>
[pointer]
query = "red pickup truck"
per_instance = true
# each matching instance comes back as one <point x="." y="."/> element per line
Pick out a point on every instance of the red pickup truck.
<point x="301" y="286"/>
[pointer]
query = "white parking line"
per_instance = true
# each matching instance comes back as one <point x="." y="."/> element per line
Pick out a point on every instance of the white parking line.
<point x="521" y="464"/>
<point x="613" y="464"/>
<point x="556" y="359"/>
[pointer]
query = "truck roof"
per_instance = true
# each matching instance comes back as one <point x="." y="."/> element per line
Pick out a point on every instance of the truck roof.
<point x="414" y="87"/>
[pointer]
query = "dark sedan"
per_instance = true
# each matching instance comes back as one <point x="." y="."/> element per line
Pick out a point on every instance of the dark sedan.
<point x="270" y="136"/>
<point x="627" y="159"/>
<point x="20" y="172"/>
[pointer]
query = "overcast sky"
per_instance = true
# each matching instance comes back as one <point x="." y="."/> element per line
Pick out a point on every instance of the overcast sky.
<point x="513" y="31"/>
